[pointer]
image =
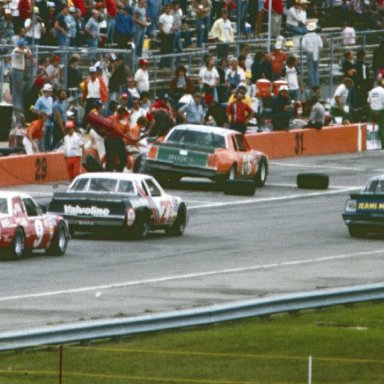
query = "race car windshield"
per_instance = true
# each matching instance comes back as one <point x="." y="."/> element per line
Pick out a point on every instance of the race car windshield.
<point x="3" y="207"/>
<point x="191" y="137"/>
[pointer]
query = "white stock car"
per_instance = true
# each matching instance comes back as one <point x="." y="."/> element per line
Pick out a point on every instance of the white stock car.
<point x="133" y="202"/>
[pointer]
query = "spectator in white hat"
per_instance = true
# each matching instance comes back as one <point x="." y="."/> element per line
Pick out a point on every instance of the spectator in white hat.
<point x="34" y="27"/>
<point x="297" y="18"/>
<point x="312" y="44"/>
<point x="45" y="104"/>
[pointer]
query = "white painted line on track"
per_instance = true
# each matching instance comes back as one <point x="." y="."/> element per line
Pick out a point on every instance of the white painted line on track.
<point x="194" y="275"/>
<point x="272" y="199"/>
<point x="298" y="165"/>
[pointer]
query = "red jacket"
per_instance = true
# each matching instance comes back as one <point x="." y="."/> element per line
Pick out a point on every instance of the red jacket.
<point x="277" y="6"/>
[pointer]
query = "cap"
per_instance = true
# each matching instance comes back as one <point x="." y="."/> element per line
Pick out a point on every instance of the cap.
<point x="56" y="58"/>
<point x="100" y="4"/>
<point x="283" y="88"/>
<point x="70" y="124"/>
<point x="72" y="9"/>
<point x="50" y="4"/>
<point x="7" y="11"/>
<point x="143" y="62"/>
<point x="197" y="94"/>
<point x="92" y="69"/>
<point x="36" y="10"/>
<point x="47" y="87"/>
<point x="20" y="42"/>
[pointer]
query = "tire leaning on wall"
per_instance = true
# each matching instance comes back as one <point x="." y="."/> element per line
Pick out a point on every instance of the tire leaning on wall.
<point x="312" y="181"/>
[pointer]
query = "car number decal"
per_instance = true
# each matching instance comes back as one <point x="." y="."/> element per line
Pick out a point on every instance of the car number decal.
<point x="166" y="207"/>
<point x="39" y="229"/>
<point x="246" y="167"/>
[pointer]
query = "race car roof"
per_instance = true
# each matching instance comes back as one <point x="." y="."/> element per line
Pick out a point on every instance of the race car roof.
<point x="204" y="128"/>
<point x="114" y="175"/>
<point x="10" y="194"/>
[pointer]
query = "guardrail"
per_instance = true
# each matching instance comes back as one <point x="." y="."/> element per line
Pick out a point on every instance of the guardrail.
<point x="112" y="328"/>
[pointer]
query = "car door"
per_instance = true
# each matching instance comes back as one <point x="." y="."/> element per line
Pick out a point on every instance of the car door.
<point x="36" y="229"/>
<point x="162" y="205"/>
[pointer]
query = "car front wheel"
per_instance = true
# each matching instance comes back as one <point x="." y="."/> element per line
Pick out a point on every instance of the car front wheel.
<point x="17" y="248"/>
<point x="178" y="226"/>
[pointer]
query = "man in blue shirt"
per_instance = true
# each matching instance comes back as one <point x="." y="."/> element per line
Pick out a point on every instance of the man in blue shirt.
<point x="60" y="107"/>
<point x="45" y="104"/>
<point x="193" y="112"/>
<point x="123" y="27"/>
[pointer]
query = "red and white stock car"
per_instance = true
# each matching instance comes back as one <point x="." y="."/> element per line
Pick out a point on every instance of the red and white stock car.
<point x="24" y="227"/>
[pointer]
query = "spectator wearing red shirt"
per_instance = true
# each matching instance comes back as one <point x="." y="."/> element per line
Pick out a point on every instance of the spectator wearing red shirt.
<point x="276" y="15"/>
<point x="239" y="113"/>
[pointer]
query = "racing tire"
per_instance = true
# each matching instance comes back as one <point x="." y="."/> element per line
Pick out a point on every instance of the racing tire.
<point x="60" y="241"/>
<point x="312" y="181"/>
<point x="140" y="227"/>
<point x="358" y="231"/>
<point x="229" y="176"/>
<point x="17" y="248"/>
<point x="178" y="226"/>
<point x="262" y="173"/>
<point x="240" y="187"/>
<point x="90" y="164"/>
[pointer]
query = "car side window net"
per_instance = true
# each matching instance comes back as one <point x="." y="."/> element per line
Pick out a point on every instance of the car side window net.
<point x="30" y="207"/>
<point x="153" y="189"/>
<point x="240" y="143"/>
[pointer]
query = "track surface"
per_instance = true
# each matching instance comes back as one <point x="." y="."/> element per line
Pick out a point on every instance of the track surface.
<point x="235" y="248"/>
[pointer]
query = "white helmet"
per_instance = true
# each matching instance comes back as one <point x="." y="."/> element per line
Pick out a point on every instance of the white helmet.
<point x="283" y="88"/>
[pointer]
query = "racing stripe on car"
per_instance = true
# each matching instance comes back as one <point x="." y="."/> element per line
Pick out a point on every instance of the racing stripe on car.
<point x="150" y="202"/>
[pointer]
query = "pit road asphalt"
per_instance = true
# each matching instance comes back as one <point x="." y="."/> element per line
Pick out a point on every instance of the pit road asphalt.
<point x="235" y="248"/>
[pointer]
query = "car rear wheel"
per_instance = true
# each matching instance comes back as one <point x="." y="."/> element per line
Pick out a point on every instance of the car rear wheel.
<point x="262" y="173"/>
<point x="229" y="176"/>
<point x="178" y="227"/>
<point x="358" y="231"/>
<point x="17" y="248"/>
<point x="60" y="241"/>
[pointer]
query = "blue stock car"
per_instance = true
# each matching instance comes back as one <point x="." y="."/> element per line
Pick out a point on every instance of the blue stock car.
<point x="364" y="211"/>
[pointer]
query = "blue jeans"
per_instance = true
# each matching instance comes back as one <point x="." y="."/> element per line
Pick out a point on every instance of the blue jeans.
<point x="241" y="13"/>
<point x="17" y="89"/>
<point x="202" y="36"/>
<point x="300" y="30"/>
<point x="48" y="135"/>
<point x="139" y="40"/>
<point x="93" y="44"/>
<point x="313" y="71"/>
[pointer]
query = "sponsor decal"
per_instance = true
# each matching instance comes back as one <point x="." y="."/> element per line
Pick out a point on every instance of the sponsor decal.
<point x="7" y="223"/>
<point x="89" y="211"/>
<point x="370" y="206"/>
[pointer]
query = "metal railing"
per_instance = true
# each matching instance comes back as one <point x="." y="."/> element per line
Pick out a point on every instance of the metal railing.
<point x="112" y="328"/>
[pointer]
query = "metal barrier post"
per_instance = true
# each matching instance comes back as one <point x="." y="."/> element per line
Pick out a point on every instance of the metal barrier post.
<point x="332" y="50"/>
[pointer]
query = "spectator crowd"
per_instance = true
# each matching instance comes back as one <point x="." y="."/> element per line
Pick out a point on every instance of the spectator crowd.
<point x="61" y="96"/>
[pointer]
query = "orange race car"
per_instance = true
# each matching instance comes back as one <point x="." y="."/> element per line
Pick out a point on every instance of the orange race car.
<point x="219" y="154"/>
